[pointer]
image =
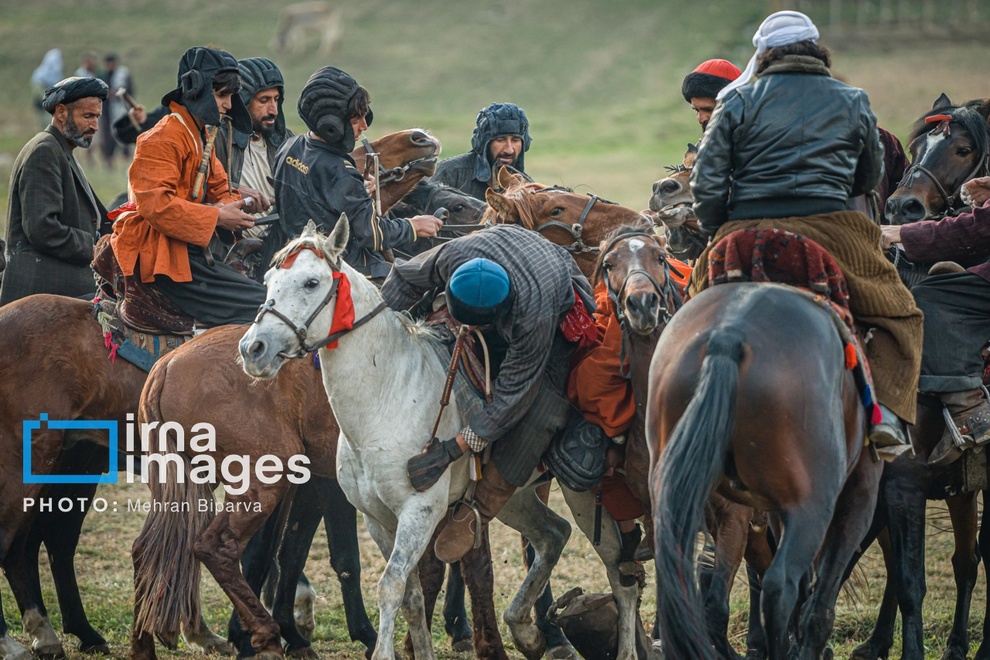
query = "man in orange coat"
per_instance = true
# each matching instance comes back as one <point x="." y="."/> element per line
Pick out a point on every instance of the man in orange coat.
<point x="165" y="240"/>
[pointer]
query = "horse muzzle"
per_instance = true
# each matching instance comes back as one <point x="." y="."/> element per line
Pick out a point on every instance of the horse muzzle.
<point x="260" y="358"/>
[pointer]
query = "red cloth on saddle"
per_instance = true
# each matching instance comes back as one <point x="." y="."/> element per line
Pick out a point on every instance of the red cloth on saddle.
<point x="775" y="255"/>
<point x="578" y="326"/>
<point x="596" y="386"/>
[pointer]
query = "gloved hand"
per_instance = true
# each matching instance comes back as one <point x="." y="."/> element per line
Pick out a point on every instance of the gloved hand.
<point x="426" y="468"/>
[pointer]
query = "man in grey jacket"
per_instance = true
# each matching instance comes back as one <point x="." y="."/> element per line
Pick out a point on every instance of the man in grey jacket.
<point x="501" y="138"/>
<point x="53" y="215"/>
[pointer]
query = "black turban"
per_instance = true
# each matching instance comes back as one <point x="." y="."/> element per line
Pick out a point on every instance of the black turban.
<point x="73" y="89"/>
<point x="197" y="69"/>
<point x="323" y="106"/>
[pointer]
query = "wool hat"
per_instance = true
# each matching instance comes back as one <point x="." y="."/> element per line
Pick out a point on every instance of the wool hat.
<point x="323" y="106"/>
<point x="781" y="28"/>
<point x="498" y="120"/>
<point x="73" y="89"/>
<point x="708" y="78"/>
<point x="478" y="292"/>
<point x="194" y="90"/>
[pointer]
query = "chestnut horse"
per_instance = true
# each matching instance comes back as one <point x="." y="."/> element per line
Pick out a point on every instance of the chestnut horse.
<point x="947" y="152"/>
<point x="53" y="360"/>
<point x="749" y="396"/>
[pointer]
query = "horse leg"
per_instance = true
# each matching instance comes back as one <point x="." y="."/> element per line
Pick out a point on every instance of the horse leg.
<point x="882" y="637"/>
<point x="557" y="644"/>
<point x="730" y="529"/>
<point x="758" y="554"/>
<point x="340" y="521"/>
<point x="10" y="648"/>
<point x="431" y="574"/>
<point x="413" y="608"/>
<point x="963" y="511"/>
<point x="983" y="652"/>
<point x="455" y="621"/>
<point x="476" y="568"/>
<point x="850" y="521"/>
<point x="21" y="568"/>
<point x="548" y="534"/>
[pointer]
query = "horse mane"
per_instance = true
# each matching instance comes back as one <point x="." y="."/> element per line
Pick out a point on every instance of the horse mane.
<point x="308" y="239"/>
<point x="967" y="114"/>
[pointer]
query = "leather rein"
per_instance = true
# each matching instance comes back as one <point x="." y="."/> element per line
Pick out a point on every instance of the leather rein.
<point x="302" y="330"/>
<point x="576" y="230"/>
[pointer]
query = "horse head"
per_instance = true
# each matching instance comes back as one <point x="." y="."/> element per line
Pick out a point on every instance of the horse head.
<point x="633" y="266"/>
<point x="949" y="145"/>
<point x="404" y="159"/>
<point x="578" y="223"/>
<point x="300" y="312"/>
<point x="464" y="212"/>
<point x="672" y="202"/>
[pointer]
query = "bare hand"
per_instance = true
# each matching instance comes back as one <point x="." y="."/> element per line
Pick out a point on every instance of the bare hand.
<point x="139" y="114"/>
<point x="891" y="235"/>
<point x="259" y="200"/>
<point x="978" y="191"/>
<point x="426" y="226"/>
<point x="232" y="218"/>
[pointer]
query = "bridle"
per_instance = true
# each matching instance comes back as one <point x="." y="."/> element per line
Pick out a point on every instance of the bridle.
<point x="982" y="168"/>
<point x="665" y="292"/>
<point x="302" y="330"/>
<point x="693" y="237"/>
<point x="576" y="230"/>
<point x="373" y="167"/>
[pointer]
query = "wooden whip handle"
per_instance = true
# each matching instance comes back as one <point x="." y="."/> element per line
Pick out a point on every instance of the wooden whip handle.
<point x="121" y="93"/>
<point x="211" y="137"/>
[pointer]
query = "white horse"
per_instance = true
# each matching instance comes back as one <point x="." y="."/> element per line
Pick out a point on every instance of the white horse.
<point x="384" y="382"/>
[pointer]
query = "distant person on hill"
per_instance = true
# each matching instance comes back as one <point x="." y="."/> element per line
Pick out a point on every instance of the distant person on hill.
<point x="701" y="86"/>
<point x="53" y="215"/>
<point x="116" y="76"/>
<point x="47" y="74"/>
<point x="501" y="138"/>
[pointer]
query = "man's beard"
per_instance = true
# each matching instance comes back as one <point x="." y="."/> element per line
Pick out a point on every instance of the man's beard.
<point x="74" y="136"/>
<point x="259" y="126"/>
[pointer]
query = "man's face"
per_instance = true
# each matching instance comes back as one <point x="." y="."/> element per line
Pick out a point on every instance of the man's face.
<point x="703" y="108"/>
<point x="224" y="100"/>
<point x="263" y="109"/>
<point x="80" y="120"/>
<point x="359" y="125"/>
<point x="505" y="150"/>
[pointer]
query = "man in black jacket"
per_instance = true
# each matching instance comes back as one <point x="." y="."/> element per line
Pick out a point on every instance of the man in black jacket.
<point x="501" y="138"/>
<point x="53" y="215"/>
<point x="316" y="178"/>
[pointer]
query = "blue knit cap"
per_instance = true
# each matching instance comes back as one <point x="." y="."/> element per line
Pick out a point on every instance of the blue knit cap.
<point x="478" y="292"/>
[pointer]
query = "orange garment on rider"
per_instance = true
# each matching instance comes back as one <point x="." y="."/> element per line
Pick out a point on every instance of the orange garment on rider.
<point x="596" y="385"/>
<point x="680" y="272"/>
<point x="167" y="220"/>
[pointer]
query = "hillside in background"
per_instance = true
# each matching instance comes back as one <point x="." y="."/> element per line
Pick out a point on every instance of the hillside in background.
<point x="599" y="80"/>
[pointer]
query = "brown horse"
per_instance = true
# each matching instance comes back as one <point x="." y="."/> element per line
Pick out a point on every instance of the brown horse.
<point x="672" y="203"/>
<point x="749" y="396"/>
<point x="53" y="360"/>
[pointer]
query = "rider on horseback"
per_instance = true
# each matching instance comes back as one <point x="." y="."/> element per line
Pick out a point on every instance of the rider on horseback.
<point x="771" y="158"/>
<point x="700" y="87"/>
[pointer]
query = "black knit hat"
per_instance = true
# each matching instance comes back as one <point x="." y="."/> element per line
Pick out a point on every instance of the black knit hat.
<point x="73" y="89"/>
<point x="194" y="90"/>
<point x="498" y="120"/>
<point x="708" y="79"/>
<point x="323" y="106"/>
<point x="258" y="74"/>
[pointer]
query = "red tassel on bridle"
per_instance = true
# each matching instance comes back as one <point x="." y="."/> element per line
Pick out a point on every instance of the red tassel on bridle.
<point x="944" y="122"/>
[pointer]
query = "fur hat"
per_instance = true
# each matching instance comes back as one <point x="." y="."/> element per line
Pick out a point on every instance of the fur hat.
<point x="498" y="120"/>
<point x="478" y="292"/>
<point x="323" y="106"/>
<point x="73" y="89"/>
<point x="708" y="79"/>
<point x="197" y="70"/>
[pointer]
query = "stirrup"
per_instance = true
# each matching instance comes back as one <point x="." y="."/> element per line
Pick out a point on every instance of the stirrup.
<point x="477" y="519"/>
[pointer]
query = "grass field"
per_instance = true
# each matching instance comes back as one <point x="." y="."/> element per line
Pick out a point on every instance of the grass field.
<point x="601" y="84"/>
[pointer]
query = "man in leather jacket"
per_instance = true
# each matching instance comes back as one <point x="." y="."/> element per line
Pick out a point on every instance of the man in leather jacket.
<point x="788" y="150"/>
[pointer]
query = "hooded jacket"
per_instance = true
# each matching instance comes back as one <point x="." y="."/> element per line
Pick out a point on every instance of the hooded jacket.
<point x="257" y="74"/>
<point x="472" y="171"/>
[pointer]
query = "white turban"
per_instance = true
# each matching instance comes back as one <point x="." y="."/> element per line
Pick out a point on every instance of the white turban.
<point x="782" y="28"/>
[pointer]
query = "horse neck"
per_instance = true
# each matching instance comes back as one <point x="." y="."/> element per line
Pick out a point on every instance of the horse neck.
<point x="641" y="351"/>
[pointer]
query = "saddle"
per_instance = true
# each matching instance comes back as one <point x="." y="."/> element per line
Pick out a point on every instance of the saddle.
<point x="139" y="306"/>
<point x="139" y="348"/>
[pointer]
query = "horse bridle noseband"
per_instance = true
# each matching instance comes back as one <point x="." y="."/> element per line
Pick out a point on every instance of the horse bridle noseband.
<point x="303" y="329"/>
<point x="576" y="230"/>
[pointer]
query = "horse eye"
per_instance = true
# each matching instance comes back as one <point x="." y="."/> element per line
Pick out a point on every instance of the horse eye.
<point x="606" y="266"/>
<point x="312" y="283"/>
<point x="558" y="211"/>
<point x="458" y="208"/>
<point x="964" y="151"/>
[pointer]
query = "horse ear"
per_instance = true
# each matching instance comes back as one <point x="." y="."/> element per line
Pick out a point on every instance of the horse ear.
<point x="505" y="178"/>
<point x="337" y="240"/>
<point x="942" y="102"/>
<point x="501" y="204"/>
<point x="692" y="148"/>
<point x="310" y="229"/>
<point x="984" y="109"/>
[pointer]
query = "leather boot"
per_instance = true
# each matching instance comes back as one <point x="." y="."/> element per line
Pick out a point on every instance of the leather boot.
<point x="457" y="537"/>
<point x="970" y="413"/>
<point x="888" y="437"/>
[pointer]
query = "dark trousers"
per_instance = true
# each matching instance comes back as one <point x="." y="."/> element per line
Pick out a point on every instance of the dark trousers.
<point x="217" y="295"/>
<point x="957" y="327"/>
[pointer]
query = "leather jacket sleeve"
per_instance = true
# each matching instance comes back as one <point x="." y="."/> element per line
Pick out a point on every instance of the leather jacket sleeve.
<point x="869" y="169"/>
<point x="711" y="178"/>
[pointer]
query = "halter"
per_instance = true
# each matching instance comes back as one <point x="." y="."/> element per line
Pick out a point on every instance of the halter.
<point x="943" y="125"/>
<point x="575" y="230"/>
<point x="373" y="166"/>
<point x="664" y="292"/>
<point x="303" y="329"/>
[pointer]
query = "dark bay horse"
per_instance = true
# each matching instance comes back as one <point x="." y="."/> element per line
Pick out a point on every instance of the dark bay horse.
<point x="672" y="203"/>
<point x="947" y="151"/>
<point x="749" y="396"/>
<point x="53" y="360"/>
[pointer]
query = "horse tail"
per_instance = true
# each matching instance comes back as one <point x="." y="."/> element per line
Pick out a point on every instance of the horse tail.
<point x="166" y="570"/>
<point x="692" y="462"/>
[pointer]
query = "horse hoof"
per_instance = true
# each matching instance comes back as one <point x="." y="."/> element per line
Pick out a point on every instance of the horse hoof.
<point x="462" y="645"/>
<point x="95" y="649"/>
<point x="562" y="652"/>
<point x="304" y="653"/>
<point x="50" y="652"/>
